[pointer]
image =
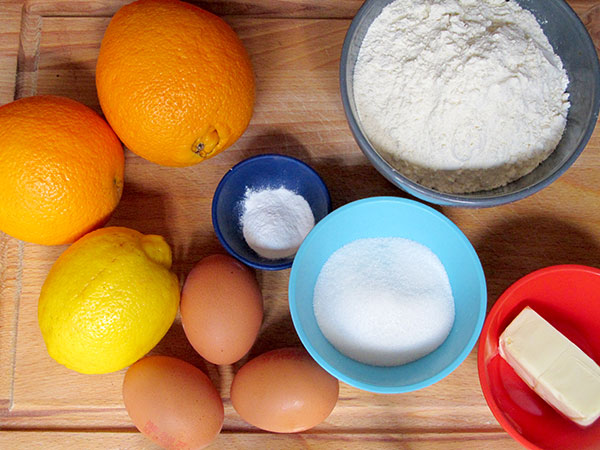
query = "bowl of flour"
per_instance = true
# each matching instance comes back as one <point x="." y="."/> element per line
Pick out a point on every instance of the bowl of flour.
<point x="470" y="103"/>
<point x="387" y="294"/>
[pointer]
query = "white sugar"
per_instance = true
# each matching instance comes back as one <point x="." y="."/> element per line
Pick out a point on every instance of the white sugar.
<point x="384" y="301"/>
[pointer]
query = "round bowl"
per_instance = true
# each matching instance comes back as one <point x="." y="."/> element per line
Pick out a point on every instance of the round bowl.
<point x="570" y="40"/>
<point x="567" y="296"/>
<point x="390" y="217"/>
<point x="256" y="173"/>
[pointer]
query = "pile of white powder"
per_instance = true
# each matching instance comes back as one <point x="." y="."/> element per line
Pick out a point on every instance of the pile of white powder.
<point x="460" y="95"/>
<point x="275" y="221"/>
<point x="384" y="301"/>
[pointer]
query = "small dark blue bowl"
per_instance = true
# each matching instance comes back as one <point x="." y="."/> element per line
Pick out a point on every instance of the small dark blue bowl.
<point x="256" y="173"/>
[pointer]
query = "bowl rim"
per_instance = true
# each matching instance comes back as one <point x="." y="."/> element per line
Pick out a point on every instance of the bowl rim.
<point x="230" y="172"/>
<point x="456" y="200"/>
<point x="456" y="362"/>
<point x="497" y="412"/>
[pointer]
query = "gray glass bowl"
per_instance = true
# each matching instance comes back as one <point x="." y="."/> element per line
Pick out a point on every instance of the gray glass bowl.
<point x="570" y="40"/>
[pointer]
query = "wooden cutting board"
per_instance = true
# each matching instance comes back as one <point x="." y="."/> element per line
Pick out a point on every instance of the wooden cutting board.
<point x="51" y="46"/>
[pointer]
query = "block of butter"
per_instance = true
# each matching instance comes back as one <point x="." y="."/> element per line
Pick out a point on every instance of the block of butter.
<point x="555" y="368"/>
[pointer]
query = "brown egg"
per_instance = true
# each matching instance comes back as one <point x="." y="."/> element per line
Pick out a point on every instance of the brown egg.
<point x="284" y="391"/>
<point x="172" y="402"/>
<point x="221" y="309"/>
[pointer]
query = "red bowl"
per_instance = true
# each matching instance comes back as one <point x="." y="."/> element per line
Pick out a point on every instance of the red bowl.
<point x="567" y="296"/>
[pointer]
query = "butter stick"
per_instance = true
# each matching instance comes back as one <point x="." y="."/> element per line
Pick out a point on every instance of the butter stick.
<point x="555" y="368"/>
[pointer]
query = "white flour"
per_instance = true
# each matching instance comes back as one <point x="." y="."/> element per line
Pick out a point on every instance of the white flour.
<point x="460" y="95"/>
<point x="275" y="221"/>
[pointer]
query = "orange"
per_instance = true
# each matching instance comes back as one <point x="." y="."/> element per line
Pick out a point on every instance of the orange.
<point x="174" y="81"/>
<point x="61" y="170"/>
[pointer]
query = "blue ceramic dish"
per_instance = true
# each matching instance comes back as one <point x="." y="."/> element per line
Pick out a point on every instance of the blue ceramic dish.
<point x="391" y="217"/>
<point x="570" y="40"/>
<point x="261" y="172"/>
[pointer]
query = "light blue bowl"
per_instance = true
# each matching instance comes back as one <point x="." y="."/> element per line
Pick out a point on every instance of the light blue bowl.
<point x="390" y="217"/>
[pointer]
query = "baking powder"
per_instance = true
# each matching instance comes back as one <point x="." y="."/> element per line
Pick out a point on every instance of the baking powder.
<point x="275" y="221"/>
<point x="460" y="95"/>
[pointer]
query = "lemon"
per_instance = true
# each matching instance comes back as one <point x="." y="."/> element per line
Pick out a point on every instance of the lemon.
<point x="108" y="300"/>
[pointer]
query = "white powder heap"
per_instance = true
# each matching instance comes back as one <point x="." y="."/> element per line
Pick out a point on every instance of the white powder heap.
<point x="384" y="301"/>
<point x="275" y="221"/>
<point x="460" y="95"/>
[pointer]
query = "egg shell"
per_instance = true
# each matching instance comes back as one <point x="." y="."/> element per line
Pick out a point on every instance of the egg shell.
<point x="284" y="391"/>
<point x="221" y="309"/>
<point x="172" y="402"/>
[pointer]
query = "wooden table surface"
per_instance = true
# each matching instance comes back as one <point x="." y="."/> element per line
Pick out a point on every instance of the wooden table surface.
<point x="51" y="46"/>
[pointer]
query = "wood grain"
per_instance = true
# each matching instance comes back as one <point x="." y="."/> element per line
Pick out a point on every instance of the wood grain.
<point x="103" y="440"/>
<point x="256" y="8"/>
<point x="50" y="47"/>
<point x="10" y="25"/>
